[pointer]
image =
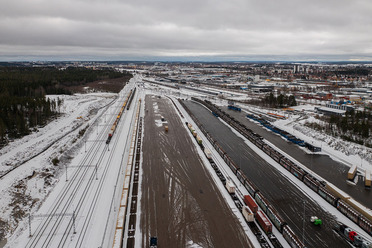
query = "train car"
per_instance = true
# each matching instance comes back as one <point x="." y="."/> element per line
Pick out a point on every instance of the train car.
<point x="291" y="238"/>
<point x="275" y="218"/>
<point x="330" y="198"/>
<point x="230" y="187"/>
<point x="250" y="203"/>
<point x="247" y="213"/>
<point x="365" y="224"/>
<point x="190" y="126"/>
<point x="264" y="222"/>
<point x="267" y="149"/>
<point x="261" y="201"/>
<point x="208" y="154"/>
<point x="311" y="182"/>
<point x="359" y="208"/>
<point x="276" y="156"/>
<point x="199" y="140"/>
<point x="298" y="172"/>
<point x="286" y="163"/>
<point x="347" y="210"/>
<point x="233" y="166"/>
<point x="252" y="189"/>
<point x="259" y="143"/>
<point x="240" y="175"/>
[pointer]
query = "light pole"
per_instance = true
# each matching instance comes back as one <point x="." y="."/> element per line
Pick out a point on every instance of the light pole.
<point x="303" y="225"/>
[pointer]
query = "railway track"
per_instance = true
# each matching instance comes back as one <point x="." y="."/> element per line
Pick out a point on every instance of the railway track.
<point x="50" y="145"/>
<point x="238" y="196"/>
<point x="79" y="185"/>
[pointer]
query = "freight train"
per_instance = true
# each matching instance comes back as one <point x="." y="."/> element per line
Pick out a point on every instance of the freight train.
<point x="247" y="213"/>
<point x="287" y="232"/>
<point x="343" y="204"/>
<point x="274" y="129"/>
<point x="118" y="117"/>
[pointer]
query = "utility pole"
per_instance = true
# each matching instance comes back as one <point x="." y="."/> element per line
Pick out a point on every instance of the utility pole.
<point x="29" y="225"/>
<point x="96" y="172"/>
<point x="73" y="221"/>
<point x="303" y="226"/>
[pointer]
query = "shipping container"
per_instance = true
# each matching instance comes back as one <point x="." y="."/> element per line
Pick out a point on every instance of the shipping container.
<point x="247" y="213"/>
<point x="368" y="179"/>
<point x="264" y="222"/>
<point x="230" y="187"/>
<point x="250" y="203"/>
<point x="352" y="172"/>
<point x="208" y="153"/>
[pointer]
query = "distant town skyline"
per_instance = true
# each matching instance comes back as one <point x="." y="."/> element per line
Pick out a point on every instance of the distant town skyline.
<point x="215" y="30"/>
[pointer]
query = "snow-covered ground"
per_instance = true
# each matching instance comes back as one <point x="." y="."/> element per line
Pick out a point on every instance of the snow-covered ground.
<point x="33" y="183"/>
<point x="30" y="173"/>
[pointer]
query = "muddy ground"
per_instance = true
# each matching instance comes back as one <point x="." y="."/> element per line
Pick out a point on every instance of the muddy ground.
<point x="181" y="204"/>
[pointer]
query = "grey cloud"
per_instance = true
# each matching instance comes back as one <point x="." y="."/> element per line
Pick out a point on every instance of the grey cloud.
<point x="183" y="28"/>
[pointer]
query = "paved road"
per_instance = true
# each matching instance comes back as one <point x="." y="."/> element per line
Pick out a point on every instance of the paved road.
<point x="287" y="199"/>
<point x="323" y="165"/>
<point x="180" y="204"/>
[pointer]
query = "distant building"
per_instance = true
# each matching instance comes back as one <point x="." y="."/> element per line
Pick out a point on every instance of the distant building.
<point x="330" y="111"/>
<point x="324" y="96"/>
<point x="344" y="107"/>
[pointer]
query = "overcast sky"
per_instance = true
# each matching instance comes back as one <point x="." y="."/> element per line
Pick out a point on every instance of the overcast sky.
<point x="148" y="29"/>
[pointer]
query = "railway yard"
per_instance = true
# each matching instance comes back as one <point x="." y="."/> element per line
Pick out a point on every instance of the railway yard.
<point x="163" y="166"/>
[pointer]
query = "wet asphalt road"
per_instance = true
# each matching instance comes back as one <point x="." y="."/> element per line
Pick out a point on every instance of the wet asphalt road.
<point x="323" y="165"/>
<point x="287" y="199"/>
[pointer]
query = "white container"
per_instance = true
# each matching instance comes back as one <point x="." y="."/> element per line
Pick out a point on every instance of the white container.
<point x="208" y="153"/>
<point x="230" y="187"/>
<point x="248" y="215"/>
